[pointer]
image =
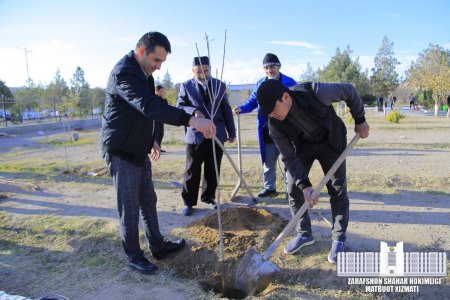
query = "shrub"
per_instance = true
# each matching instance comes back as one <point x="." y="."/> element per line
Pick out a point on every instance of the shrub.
<point x="395" y="116"/>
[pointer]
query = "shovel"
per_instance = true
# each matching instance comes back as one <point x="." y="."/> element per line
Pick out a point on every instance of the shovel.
<point x="255" y="272"/>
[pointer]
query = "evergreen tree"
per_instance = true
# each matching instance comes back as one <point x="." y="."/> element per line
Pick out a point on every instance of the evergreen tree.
<point x="342" y="68"/>
<point x="79" y="92"/>
<point x="56" y="90"/>
<point x="167" y="81"/>
<point x="5" y="91"/>
<point x="384" y="79"/>
<point x="309" y="74"/>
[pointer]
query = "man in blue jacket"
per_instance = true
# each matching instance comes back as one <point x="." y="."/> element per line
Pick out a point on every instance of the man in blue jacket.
<point x="131" y="109"/>
<point x="269" y="153"/>
<point x="205" y="97"/>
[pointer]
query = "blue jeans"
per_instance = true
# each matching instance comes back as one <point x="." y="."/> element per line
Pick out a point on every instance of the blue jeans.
<point x="270" y="167"/>
<point x="337" y="189"/>
<point x="135" y="197"/>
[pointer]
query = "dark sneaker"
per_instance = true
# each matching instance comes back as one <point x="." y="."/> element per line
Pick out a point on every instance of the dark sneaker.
<point x="298" y="243"/>
<point x="143" y="266"/>
<point x="211" y="202"/>
<point x="171" y="246"/>
<point x="336" y="247"/>
<point x="267" y="193"/>
<point x="187" y="211"/>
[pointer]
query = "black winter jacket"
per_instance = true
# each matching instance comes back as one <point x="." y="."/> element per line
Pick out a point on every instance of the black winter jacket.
<point x="131" y="108"/>
<point x="315" y="101"/>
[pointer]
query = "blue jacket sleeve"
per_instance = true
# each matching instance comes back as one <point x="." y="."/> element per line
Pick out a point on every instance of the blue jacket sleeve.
<point x="251" y="103"/>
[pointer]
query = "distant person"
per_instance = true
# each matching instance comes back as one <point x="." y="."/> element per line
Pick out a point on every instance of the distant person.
<point x="196" y="98"/>
<point x="393" y="102"/>
<point x="268" y="150"/>
<point x="159" y="126"/>
<point x="412" y="102"/>
<point x="305" y="128"/>
<point x="380" y="102"/>
<point x="448" y="105"/>
<point x="131" y="107"/>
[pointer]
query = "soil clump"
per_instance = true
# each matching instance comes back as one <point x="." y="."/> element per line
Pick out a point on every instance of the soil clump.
<point x="242" y="228"/>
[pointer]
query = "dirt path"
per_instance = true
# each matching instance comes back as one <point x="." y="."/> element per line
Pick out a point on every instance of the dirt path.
<point x="417" y="215"/>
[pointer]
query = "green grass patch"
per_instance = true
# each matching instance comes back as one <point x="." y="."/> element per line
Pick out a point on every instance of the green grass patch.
<point x="67" y="141"/>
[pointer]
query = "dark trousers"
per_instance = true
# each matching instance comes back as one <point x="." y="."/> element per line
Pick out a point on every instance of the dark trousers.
<point x="196" y="155"/>
<point x="135" y="197"/>
<point x="337" y="189"/>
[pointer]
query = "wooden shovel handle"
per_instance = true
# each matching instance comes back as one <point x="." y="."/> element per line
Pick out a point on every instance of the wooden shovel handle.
<point x="234" y="166"/>
<point x="317" y="190"/>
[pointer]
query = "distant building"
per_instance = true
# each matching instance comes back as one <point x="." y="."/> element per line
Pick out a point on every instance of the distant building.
<point x="238" y="93"/>
<point x="392" y="261"/>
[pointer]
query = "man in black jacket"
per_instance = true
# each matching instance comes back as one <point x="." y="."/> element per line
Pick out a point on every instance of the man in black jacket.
<point x="305" y="127"/>
<point x="131" y="109"/>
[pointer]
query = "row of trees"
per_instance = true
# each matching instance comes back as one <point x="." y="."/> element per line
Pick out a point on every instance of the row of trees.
<point x="78" y="99"/>
<point x="428" y="77"/>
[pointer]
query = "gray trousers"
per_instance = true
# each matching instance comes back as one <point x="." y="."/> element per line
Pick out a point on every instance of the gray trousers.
<point x="135" y="197"/>
<point x="337" y="189"/>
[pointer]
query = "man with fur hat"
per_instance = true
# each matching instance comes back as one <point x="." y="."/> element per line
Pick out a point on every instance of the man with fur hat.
<point x="204" y="97"/>
<point x="269" y="153"/>
<point x="305" y="127"/>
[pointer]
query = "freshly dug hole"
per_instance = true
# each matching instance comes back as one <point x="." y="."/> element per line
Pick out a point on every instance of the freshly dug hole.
<point x="242" y="228"/>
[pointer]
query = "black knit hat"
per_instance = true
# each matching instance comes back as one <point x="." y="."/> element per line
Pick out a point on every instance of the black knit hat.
<point x="204" y="60"/>
<point x="271" y="60"/>
<point x="268" y="93"/>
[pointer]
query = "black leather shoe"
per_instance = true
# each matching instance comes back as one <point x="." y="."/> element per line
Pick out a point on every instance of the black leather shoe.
<point x="143" y="266"/>
<point x="211" y="202"/>
<point x="187" y="211"/>
<point x="171" y="246"/>
<point x="267" y="193"/>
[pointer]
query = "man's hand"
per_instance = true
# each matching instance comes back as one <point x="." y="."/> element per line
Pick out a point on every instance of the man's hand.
<point x="310" y="195"/>
<point x="155" y="153"/>
<point x="237" y="110"/>
<point x="205" y="126"/>
<point x="231" y="140"/>
<point x="362" y="129"/>
<point x="198" y="114"/>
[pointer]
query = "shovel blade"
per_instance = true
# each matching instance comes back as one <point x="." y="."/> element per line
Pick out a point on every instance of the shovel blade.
<point x="254" y="273"/>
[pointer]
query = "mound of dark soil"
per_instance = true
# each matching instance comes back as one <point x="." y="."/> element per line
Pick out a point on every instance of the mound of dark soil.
<point x="242" y="228"/>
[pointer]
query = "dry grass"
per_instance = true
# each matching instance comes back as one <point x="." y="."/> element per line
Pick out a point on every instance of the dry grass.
<point x="72" y="255"/>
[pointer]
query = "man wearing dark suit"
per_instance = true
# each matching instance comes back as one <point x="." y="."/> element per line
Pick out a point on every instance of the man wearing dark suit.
<point x="204" y="97"/>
